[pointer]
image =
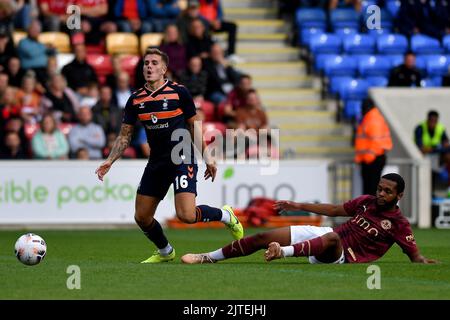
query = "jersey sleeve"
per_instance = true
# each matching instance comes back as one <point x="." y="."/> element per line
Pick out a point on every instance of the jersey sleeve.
<point x="351" y="205"/>
<point x="404" y="237"/>
<point x="129" y="113"/>
<point x="186" y="102"/>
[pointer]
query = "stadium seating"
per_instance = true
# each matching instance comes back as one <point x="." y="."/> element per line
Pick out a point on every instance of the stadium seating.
<point x="150" y="40"/>
<point x="354" y="90"/>
<point x="307" y="34"/>
<point x="446" y="43"/>
<point x="438" y="66"/>
<point x="395" y="59"/>
<point x="393" y="6"/>
<point x="212" y="129"/>
<point x="122" y="42"/>
<point x="102" y="65"/>
<point x="334" y="84"/>
<point x="320" y="59"/>
<point x="386" y="22"/>
<point x="344" y="18"/>
<point x="59" y="40"/>
<point x="392" y="44"/>
<point x="422" y="44"/>
<point x="340" y="66"/>
<point x="431" y="82"/>
<point x="311" y="18"/>
<point x="377" y="81"/>
<point x="374" y="66"/>
<point x="359" y="44"/>
<point x="128" y="64"/>
<point x="325" y="43"/>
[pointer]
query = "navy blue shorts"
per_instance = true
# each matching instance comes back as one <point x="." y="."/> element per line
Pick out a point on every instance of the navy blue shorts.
<point x="158" y="177"/>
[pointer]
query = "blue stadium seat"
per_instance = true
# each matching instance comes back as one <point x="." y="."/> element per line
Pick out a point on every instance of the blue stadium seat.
<point x="395" y="59"/>
<point x="352" y="109"/>
<point x="422" y="44"/>
<point x="325" y="43"/>
<point x="307" y="33"/>
<point x="374" y="66"/>
<point x="359" y="44"/>
<point x="446" y="43"/>
<point x="393" y="6"/>
<point x="335" y="83"/>
<point x="311" y="18"/>
<point x="343" y="32"/>
<point x="320" y="59"/>
<point x="392" y="44"/>
<point x="431" y="82"/>
<point x="344" y="18"/>
<point x="377" y="81"/>
<point x="354" y="90"/>
<point x="438" y="67"/>
<point x="340" y="66"/>
<point x="366" y="3"/>
<point x="376" y="33"/>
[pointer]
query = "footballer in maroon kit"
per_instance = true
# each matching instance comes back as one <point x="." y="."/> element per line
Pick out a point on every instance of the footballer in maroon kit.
<point x="376" y="223"/>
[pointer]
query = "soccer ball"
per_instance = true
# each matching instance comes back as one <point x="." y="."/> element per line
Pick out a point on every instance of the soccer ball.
<point x="30" y="249"/>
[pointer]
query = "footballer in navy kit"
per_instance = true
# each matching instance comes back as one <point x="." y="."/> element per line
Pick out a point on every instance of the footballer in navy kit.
<point x="168" y="114"/>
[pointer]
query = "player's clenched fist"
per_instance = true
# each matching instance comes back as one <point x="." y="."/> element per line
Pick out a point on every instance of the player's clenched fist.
<point x="103" y="169"/>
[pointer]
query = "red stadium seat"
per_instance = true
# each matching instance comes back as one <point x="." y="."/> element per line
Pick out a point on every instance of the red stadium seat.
<point x="128" y="64"/>
<point x="208" y="110"/>
<point x="102" y="65"/>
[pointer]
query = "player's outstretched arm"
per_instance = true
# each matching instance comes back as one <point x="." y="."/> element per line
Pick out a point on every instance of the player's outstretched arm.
<point x="325" y="209"/>
<point x="122" y="142"/>
<point x="418" y="258"/>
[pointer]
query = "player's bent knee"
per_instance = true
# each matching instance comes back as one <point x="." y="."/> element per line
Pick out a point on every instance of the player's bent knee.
<point x="332" y="239"/>
<point x="143" y="220"/>
<point x="186" y="217"/>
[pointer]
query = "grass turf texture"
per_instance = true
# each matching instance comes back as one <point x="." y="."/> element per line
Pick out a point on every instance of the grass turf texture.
<point x="110" y="269"/>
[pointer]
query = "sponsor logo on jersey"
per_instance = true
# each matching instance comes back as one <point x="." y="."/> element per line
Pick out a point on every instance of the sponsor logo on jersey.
<point x="364" y="224"/>
<point x="410" y="238"/>
<point x="158" y="126"/>
<point x="141" y="105"/>
<point x="386" y="224"/>
<point x="154" y="118"/>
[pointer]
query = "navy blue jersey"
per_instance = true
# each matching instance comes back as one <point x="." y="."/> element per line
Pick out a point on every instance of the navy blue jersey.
<point x="161" y="112"/>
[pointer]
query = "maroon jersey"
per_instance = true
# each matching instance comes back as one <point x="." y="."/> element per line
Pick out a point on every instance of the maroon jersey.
<point x="371" y="232"/>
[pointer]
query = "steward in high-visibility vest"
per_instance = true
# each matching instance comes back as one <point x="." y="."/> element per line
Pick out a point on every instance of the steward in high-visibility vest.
<point x="430" y="135"/>
<point x="373" y="137"/>
<point x="435" y="140"/>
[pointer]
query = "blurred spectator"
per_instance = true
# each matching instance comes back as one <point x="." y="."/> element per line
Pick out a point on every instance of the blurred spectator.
<point x="111" y="79"/>
<point x="123" y="89"/>
<point x="13" y="149"/>
<point x="129" y="152"/>
<point x="4" y="83"/>
<point x="94" y="20"/>
<point x="7" y="11"/>
<point x="252" y="115"/>
<point x="91" y="97"/>
<point x="430" y="135"/>
<point x="199" y="43"/>
<point x="32" y="53"/>
<point x="221" y="75"/>
<point x="267" y="149"/>
<point x="237" y="97"/>
<point x="423" y="16"/>
<point x="132" y="15"/>
<point x="406" y="74"/>
<point x="49" y="142"/>
<point x="162" y="13"/>
<point x="82" y="154"/>
<point x="61" y="100"/>
<point x="15" y="72"/>
<point x="172" y="45"/>
<point x="212" y="11"/>
<point x="29" y="99"/>
<point x="7" y="49"/>
<point x="185" y="18"/>
<point x="194" y="78"/>
<point x="79" y="73"/>
<point x="86" y="134"/>
<point x="106" y="113"/>
<point x="54" y="14"/>
<point x="9" y="105"/>
<point x="373" y="141"/>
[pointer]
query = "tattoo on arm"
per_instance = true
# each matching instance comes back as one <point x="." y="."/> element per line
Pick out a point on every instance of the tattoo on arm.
<point x="122" y="142"/>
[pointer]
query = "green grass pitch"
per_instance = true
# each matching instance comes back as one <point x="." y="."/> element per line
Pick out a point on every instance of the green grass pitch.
<point x="110" y="269"/>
